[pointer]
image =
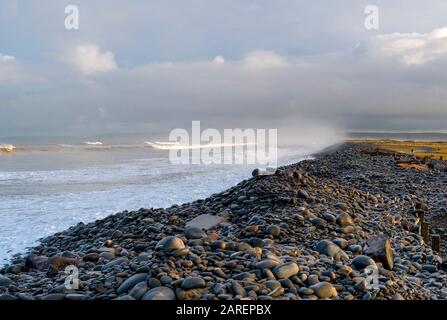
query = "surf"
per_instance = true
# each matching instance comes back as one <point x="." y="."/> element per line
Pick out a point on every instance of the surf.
<point x="7" y="148"/>
<point x="93" y="143"/>
<point x="177" y="146"/>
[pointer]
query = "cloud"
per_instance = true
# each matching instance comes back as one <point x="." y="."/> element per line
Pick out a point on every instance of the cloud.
<point x="219" y="60"/>
<point x="264" y="59"/>
<point x="6" y="58"/>
<point x="90" y="60"/>
<point x="280" y="71"/>
<point x="9" y="72"/>
<point x="348" y="90"/>
<point x="413" y="48"/>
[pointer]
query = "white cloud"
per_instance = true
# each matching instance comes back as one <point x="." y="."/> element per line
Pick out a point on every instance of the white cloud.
<point x="6" y="58"/>
<point x="413" y="48"/>
<point x="219" y="60"/>
<point x="264" y="59"/>
<point x="90" y="60"/>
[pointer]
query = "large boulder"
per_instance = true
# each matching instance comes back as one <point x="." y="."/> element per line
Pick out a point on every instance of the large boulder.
<point x="379" y="248"/>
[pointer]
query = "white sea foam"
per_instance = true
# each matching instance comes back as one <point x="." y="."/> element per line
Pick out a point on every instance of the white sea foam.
<point x="177" y="146"/>
<point x="54" y="190"/>
<point x="7" y="147"/>
<point x="94" y="143"/>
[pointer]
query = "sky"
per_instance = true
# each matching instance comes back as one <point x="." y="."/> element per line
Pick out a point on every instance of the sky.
<point x="142" y="66"/>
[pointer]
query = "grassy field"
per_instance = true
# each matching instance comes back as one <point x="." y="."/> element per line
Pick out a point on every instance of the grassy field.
<point x="431" y="149"/>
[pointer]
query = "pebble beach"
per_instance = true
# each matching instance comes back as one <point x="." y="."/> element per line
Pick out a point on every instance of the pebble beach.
<point x="350" y="224"/>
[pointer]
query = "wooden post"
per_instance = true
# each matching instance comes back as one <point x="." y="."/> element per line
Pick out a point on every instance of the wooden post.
<point x="420" y="215"/>
<point x="424" y="231"/>
<point x="436" y="243"/>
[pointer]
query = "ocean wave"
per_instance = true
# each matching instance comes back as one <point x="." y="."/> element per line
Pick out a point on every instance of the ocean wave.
<point x="7" y="148"/>
<point x="177" y="146"/>
<point x="93" y="143"/>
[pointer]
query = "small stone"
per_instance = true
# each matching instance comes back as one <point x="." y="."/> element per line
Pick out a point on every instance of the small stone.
<point x="331" y="250"/>
<point x="107" y="255"/>
<point x="285" y="270"/>
<point x="342" y="243"/>
<point x="218" y="244"/>
<point x="312" y="279"/>
<point x="348" y="229"/>
<point x="193" y="294"/>
<point x="4" y="281"/>
<point x="252" y="228"/>
<point x="154" y="282"/>
<point x="430" y="268"/>
<point x="397" y="296"/>
<point x="194" y="233"/>
<point x="324" y="290"/>
<point x="108" y="243"/>
<point x="361" y="285"/>
<point x="193" y="283"/>
<point x="159" y="293"/>
<point x="91" y="257"/>
<point x="266" y="264"/>
<point x="126" y="298"/>
<point x="272" y="284"/>
<point x="131" y="282"/>
<point x="329" y="217"/>
<point x="273" y="230"/>
<point x="355" y="248"/>
<point x="306" y="291"/>
<point x="361" y="262"/>
<point x="54" y="296"/>
<point x="25" y="296"/>
<point x="7" y="296"/>
<point x="344" y="219"/>
<point x="344" y="271"/>
<point x="14" y="269"/>
<point x="317" y="222"/>
<point x="165" y="280"/>
<point x="138" y="290"/>
<point x="170" y="243"/>
<point x="303" y="194"/>
<point x="113" y="263"/>
<point x="256" y="242"/>
<point x="342" y="206"/>
<point x="75" y="296"/>
<point x="237" y="289"/>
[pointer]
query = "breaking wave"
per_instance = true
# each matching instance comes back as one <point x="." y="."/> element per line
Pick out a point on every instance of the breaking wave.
<point x="7" y="148"/>
<point x="177" y="146"/>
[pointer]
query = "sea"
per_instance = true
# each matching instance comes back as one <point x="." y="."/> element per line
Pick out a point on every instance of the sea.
<point x="48" y="187"/>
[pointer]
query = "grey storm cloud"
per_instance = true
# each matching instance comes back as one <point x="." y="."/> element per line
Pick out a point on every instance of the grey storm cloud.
<point x="154" y="66"/>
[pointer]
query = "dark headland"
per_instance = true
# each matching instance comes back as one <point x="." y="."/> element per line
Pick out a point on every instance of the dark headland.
<point x="354" y="223"/>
